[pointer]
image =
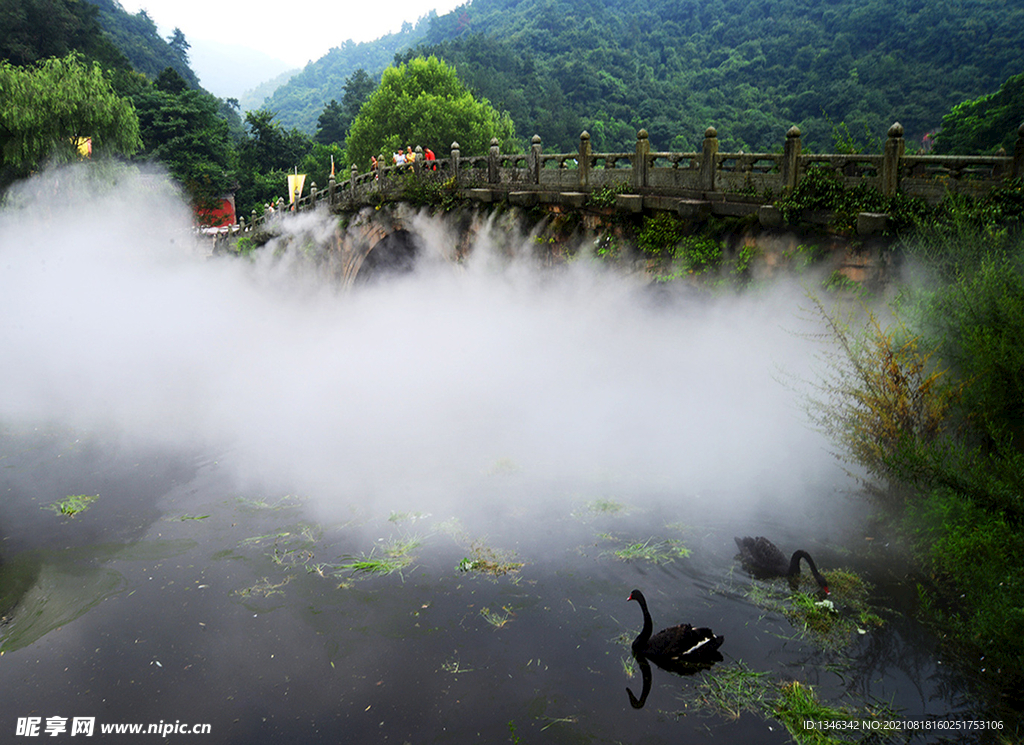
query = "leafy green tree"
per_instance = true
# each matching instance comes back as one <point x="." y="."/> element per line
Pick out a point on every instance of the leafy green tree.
<point x="266" y="155"/>
<point x="33" y="30"/>
<point x="47" y="109"/>
<point x="183" y="130"/>
<point x="358" y="87"/>
<point x="984" y="124"/>
<point x="331" y="125"/>
<point x="424" y="103"/>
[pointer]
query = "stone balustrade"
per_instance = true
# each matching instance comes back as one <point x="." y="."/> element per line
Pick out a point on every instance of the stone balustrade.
<point x="693" y="183"/>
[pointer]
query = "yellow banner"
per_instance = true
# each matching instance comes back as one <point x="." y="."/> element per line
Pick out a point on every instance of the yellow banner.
<point x="295" y="183"/>
<point x="83" y="145"/>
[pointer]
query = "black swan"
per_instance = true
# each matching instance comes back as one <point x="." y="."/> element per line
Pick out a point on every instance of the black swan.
<point x="676" y="644"/>
<point x="764" y="557"/>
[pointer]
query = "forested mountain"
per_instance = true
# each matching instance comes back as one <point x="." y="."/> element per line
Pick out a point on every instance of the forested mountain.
<point x="137" y="37"/>
<point x="300" y="102"/>
<point x="751" y="68"/>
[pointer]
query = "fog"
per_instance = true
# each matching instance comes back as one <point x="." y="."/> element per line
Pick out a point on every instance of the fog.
<point x="402" y="392"/>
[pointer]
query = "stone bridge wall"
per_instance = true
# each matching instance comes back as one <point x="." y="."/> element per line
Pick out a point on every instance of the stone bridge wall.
<point x="694" y="184"/>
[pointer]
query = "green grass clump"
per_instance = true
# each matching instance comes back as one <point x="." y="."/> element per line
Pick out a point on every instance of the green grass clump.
<point x="72" y="505"/>
<point x="396" y="556"/>
<point x="652" y="550"/>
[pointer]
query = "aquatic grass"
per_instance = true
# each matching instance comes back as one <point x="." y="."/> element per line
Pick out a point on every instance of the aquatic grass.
<point x="487" y="560"/>
<point x="396" y="556"/>
<point x="264" y="588"/>
<point x="497" y="619"/>
<point x="734" y="689"/>
<point x="600" y="506"/>
<point x="72" y="504"/>
<point x="401" y="517"/>
<point x="652" y="550"/>
<point x="830" y="623"/>
<point x="285" y="502"/>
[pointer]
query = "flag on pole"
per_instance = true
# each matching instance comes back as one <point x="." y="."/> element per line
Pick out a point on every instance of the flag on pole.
<point x="295" y="183"/>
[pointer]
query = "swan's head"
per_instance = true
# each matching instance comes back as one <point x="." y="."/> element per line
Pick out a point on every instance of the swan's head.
<point x="635" y="595"/>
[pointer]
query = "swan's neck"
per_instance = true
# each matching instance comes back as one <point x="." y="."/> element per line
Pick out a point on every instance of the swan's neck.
<point x="645" y="633"/>
<point x="794" y="566"/>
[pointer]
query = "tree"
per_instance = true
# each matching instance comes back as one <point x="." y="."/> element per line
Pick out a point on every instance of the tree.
<point x="34" y="30"/>
<point x="183" y="130"/>
<point x="47" y="110"/>
<point x="331" y="125"/>
<point x="985" y="124"/>
<point x="424" y="103"/>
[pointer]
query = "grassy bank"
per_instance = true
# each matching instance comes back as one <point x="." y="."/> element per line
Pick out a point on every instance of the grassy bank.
<point x="930" y="400"/>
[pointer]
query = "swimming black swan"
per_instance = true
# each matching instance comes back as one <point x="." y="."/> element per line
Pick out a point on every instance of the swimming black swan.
<point x="764" y="557"/>
<point x="676" y="644"/>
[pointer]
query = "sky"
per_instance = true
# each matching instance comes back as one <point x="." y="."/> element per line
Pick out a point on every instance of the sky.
<point x="294" y="33"/>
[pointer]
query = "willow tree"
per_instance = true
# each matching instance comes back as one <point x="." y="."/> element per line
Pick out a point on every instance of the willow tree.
<point x="424" y="103"/>
<point x="47" y="111"/>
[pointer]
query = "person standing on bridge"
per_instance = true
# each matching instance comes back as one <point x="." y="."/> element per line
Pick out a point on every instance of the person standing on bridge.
<point x="428" y="155"/>
<point x="399" y="158"/>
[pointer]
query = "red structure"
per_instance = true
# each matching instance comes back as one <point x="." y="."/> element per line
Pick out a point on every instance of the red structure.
<point x="219" y="216"/>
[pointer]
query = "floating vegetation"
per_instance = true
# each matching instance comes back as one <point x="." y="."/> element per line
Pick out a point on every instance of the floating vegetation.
<point x="832" y="623"/>
<point x="454" y="667"/>
<point x="733" y="690"/>
<point x="264" y="588"/>
<point x="285" y="502"/>
<point x="401" y="517"/>
<point x="600" y="506"/>
<point x="496" y="619"/>
<point x="652" y="550"/>
<point x="183" y="518"/>
<point x="72" y="504"/>
<point x="395" y="556"/>
<point x="487" y="560"/>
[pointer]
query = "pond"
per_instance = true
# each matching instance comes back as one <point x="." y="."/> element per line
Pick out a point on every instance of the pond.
<point x="414" y="512"/>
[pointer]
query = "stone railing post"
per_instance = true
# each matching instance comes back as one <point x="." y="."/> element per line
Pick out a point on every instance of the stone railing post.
<point x="252" y="220"/>
<point x="417" y="163"/>
<point x="791" y="160"/>
<point x="583" y="164"/>
<point x="493" y="177"/>
<point x="353" y="172"/>
<point x="534" y="159"/>
<point x="455" y="162"/>
<point x="709" y="159"/>
<point x="312" y="194"/>
<point x="332" y="187"/>
<point x="894" y="147"/>
<point x="641" y="160"/>
<point x="280" y="204"/>
<point x="1017" y="170"/>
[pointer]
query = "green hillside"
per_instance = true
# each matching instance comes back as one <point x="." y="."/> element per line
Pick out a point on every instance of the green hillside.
<point x="674" y="67"/>
<point x="300" y="102"/>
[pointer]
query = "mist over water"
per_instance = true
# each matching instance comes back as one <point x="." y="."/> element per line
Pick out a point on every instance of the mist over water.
<point x="403" y="392"/>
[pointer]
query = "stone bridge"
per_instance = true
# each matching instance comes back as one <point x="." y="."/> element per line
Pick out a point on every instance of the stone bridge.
<point x="694" y="185"/>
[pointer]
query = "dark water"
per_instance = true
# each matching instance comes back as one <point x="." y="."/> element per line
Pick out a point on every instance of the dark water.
<point x="180" y="596"/>
<point x="250" y="431"/>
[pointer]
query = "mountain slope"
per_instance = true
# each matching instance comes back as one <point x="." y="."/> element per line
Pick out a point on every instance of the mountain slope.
<point x="675" y="67"/>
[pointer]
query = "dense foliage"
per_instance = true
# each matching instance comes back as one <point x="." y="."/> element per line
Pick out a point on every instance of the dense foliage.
<point x="751" y="69"/>
<point x="986" y="124"/>
<point x="137" y="38"/>
<point x="49" y="110"/>
<point x="423" y="103"/>
<point x="930" y="402"/>
<point x="299" y="102"/>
